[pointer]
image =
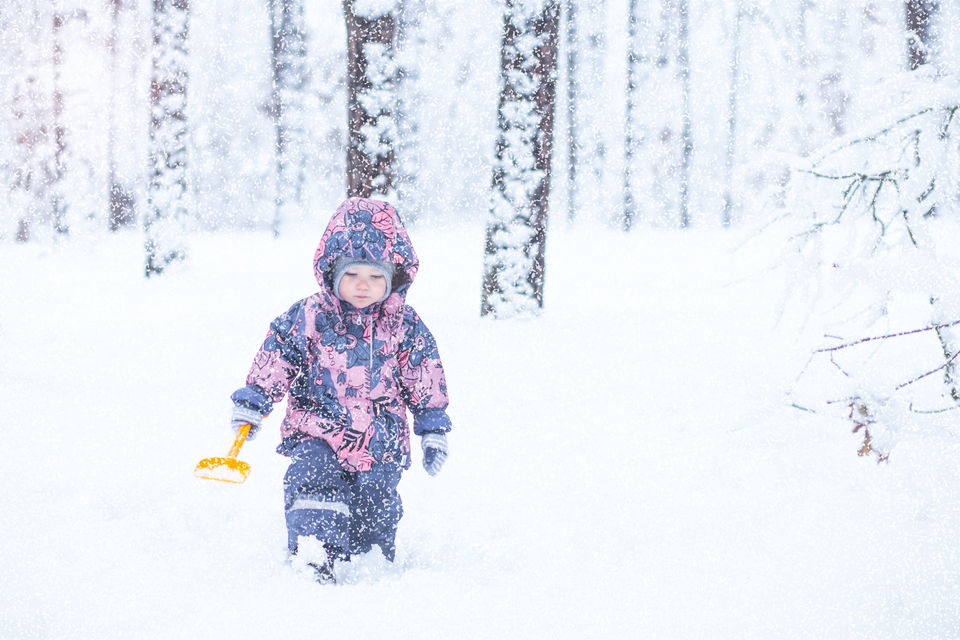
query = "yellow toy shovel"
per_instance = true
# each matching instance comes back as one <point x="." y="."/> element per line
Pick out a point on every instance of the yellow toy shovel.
<point x="227" y="469"/>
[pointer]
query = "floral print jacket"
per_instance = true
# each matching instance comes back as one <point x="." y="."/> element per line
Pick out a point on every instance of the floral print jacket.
<point x="352" y="374"/>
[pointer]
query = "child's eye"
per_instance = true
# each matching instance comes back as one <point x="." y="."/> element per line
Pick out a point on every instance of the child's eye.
<point x="377" y="277"/>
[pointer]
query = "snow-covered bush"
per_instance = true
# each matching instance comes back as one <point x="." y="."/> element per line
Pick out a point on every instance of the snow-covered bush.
<point x="873" y="230"/>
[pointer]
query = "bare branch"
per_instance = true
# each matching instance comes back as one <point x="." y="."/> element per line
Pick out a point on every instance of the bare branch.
<point x="922" y="376"/>
<point x="886" y="337"/>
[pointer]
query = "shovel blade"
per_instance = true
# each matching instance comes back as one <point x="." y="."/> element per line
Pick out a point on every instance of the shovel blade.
<point x="222" y="470"/>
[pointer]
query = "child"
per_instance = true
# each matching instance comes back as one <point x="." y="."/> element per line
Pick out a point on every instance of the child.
<point x="353" y="358"/>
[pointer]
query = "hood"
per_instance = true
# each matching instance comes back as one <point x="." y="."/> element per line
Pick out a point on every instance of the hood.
<point x="366" y="229"/>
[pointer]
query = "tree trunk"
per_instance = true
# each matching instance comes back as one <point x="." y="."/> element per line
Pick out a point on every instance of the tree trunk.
<point x="119" y="197"/>
<point x="686" y="128"/>
<point x="919" y="16"/>
<point x="59" y="137"/>
<point x="593" y="130"/>
<point x="732" y="99"/>
<point x="289" y="83"/>
<point x="410" y="44"/>
<point x="167" y="209"/>
<point x="516" y="228"/>
<point x="371" y="99"/>
<point x="34" y="150"/>
<point x="634" y="55"/>
<point x="573" y="137"/>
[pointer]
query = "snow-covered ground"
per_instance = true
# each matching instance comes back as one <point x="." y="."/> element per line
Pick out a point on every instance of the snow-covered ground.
<point x="625" y="466"/>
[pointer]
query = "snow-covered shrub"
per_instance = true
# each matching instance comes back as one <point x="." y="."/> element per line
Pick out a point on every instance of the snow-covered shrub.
<point x="873" y="230"/>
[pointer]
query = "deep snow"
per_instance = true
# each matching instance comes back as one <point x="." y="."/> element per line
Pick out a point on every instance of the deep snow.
<point x="624" y="466"/>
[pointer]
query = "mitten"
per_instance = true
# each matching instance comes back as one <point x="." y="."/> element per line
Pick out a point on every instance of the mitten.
<point x="434" y="445"/>
<point x="244" y="415"/>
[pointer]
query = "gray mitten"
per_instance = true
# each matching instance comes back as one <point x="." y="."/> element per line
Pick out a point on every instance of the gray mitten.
<point x="245" y="415"/>
<point x="434" y="445"/>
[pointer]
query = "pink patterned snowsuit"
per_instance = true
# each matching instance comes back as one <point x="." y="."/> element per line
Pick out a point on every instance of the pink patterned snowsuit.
<point x="350" y="374"/>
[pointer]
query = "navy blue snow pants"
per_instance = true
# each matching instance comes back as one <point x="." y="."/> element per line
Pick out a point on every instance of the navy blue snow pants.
<point x="349" y="510"/>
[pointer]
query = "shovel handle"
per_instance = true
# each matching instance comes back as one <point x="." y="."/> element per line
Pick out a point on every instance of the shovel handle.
<point x="238" y="441"/>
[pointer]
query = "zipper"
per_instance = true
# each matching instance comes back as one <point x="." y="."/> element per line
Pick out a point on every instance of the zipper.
<point x="370" y="368"/>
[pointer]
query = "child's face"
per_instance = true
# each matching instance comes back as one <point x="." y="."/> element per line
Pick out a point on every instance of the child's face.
<point x="362" y="285"/>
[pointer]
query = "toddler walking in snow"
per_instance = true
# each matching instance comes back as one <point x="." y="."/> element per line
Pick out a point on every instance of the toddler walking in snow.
<point x="351" y="359"/>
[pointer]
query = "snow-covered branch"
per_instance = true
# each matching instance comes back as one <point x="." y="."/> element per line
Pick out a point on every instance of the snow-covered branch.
<point x="875" y="225"/>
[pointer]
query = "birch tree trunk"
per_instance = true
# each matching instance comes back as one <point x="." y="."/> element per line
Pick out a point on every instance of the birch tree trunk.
<point x="516" y="228"/>
<point x="289" y="84"/>
<point x="371" y="98"/>
<point x="167" y="194"/>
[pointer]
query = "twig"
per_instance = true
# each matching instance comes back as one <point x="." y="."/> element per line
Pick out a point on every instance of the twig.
<point x="872" y="138"/>
<point x="922" y="376"/>
<point x="888" y="336"/>
<point x="929" y="411"/>
<point x="946" y="125"/>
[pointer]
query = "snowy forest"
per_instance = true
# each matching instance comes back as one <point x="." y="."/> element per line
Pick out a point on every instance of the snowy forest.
<point x="757" y="201"/>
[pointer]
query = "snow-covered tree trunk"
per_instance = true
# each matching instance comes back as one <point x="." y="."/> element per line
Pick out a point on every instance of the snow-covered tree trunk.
<point x="573" y="132"/>
<point x="517" y="225"/>
<point x="658" y="147"/>
<point x="167" y="193"/>
<point x="656" y="157"/>
<point x="821" y="59"/>
<point x="33" y="160"/>
<point x="57" y="203"/>
<point x="592" y="105"/>
<point x="804" y="116"/>
<point x="832" y="85"/>
<point x="120" y="196"/>
<point x="372" y="79"/>
<point x="289" y="85"/>
<point x="733" y="97"/>
<point x="919" y="18"/>
<point x="411" y="44"/>
<point x="686" y="117"/>
<point x="33" y="169"/>
<point x="635" y="57"/>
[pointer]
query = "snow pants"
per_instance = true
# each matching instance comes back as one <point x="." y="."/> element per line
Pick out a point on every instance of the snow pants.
<point x="349" y="510"/>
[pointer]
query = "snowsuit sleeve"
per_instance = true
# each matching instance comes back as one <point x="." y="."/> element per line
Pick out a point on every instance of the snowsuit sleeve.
<point x="277" y="362"/>
<point x="422" y="381"/>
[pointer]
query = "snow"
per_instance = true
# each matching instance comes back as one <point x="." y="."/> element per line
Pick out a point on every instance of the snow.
<point x="625" y="465"/>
